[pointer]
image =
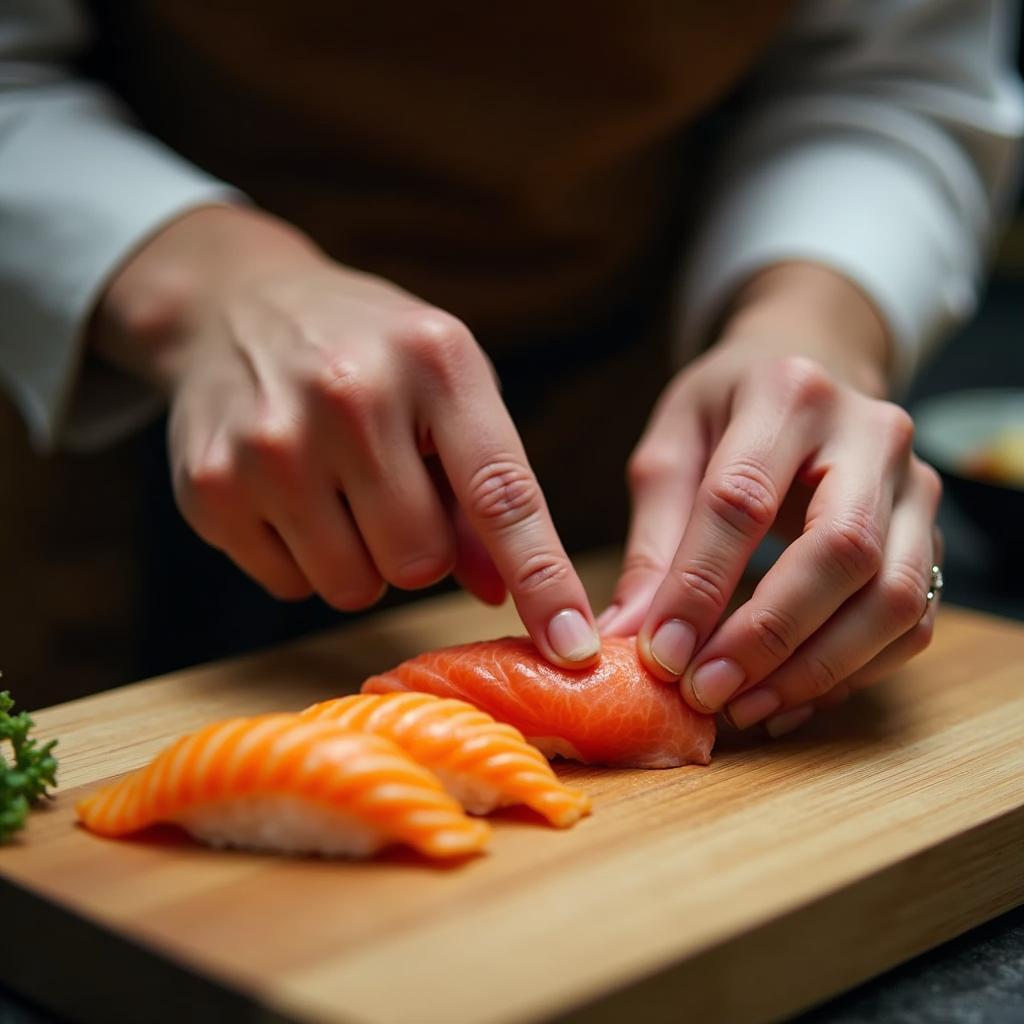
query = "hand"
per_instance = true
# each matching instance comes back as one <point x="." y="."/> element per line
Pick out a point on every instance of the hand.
<point x="751" y="438"/>
<point x="333" y="433"/>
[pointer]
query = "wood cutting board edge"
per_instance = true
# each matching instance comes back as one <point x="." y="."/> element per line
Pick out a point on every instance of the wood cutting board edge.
<point x="726" y="996"/>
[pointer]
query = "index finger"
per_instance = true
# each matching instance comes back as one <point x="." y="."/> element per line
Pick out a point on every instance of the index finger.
<point x="750" y="472"/>
<point x="486" y="464"/>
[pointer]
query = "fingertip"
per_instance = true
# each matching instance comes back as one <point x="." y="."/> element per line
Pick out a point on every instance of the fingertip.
<point x="572" y="639"/>
<point x="690" y="697"/>
<point x="653" y="666"/>
<point x="668" y="650"/>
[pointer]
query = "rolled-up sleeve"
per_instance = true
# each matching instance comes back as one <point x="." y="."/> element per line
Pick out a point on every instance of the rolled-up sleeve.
<point x="80" y="189"/>
<point x="883" y="142"/>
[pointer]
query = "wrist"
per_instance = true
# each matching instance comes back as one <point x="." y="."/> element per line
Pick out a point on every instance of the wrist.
<point x="156" y="300"/>
<point x="808" y="309"/>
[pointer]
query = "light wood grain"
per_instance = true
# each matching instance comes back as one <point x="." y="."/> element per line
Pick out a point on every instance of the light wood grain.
<point x="742" y="892"/>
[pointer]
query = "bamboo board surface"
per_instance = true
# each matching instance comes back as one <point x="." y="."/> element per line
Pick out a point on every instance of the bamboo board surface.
<point x="742" y="892"/>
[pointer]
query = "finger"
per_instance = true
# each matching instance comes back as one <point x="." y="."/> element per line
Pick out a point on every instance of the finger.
<point x="491" y="478"/>
<point x="887" y="609"/>
<point x="367" y="435"/>
<point x="474" y="568"/>
<point x="258" y="550"/>
<point x="325" y="543"/>
<point x="837" y="555"/>
<point x="215" y="501"/>
<point x="663" y="476"/>
<point x="293" y="491"/>
<point x="778" y="424"/>
<point x="399" y="514"/>
<point x="881" y="667"/>
<point x="897" y="654"/>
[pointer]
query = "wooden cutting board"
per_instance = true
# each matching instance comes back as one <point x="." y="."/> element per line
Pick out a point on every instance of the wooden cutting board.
<point x="742" y="892"/>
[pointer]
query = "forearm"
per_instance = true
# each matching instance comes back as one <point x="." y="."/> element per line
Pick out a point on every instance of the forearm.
<point x="807" y="309"/>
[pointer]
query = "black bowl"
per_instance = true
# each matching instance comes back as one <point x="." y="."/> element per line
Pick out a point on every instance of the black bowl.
<point x="951" y="429"/>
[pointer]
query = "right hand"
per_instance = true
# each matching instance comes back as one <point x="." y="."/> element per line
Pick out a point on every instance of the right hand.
<point x="333" y="433"/>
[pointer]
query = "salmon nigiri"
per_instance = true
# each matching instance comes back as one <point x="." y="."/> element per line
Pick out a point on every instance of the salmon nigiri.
<point x="483" y="763"/>
<point x="615" y="713"/>
<point x="290" y="784"/>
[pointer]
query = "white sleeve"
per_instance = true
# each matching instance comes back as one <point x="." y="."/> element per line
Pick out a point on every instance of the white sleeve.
<point x="883" y="142"/>
<point x="79" y="190"/>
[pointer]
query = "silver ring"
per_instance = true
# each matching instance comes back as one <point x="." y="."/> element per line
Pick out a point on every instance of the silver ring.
<point x="936" y="584"/>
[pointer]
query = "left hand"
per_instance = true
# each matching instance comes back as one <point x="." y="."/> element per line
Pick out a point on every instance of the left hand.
<point x="781" y="425"/>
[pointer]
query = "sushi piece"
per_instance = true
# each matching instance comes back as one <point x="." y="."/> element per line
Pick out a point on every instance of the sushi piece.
<point x="615" y="713"/>
<point x="484" y="764"/>
<point x="289" y="784"/>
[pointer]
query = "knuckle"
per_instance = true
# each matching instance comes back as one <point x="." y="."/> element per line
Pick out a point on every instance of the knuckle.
<point x="804" y="382"/>
<point x="503" y="493"/>
<point x="897" y="425"/>
<point x="744" y="498"/>
<point x="272" y="448"/>
<point x="210" y="482"/>
<point x="206" y="491"/>
<point x="903" y="591"/>
<point x="438" y="342"/>
<point x="703" y="582"/>
<point x="349" y="390"/>
<point x="274" y="440"/>
<point x="650" y="465"/>
<point x="819" y="677"/>
<point x="853" y="544"/>
<point x="541" y="572"/>
<point x="775" y="632"/>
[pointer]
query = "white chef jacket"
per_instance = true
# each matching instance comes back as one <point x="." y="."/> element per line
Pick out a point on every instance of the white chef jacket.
<point x="891" y="158"/>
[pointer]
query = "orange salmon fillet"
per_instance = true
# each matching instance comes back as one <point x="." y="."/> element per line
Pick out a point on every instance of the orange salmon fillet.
<point x="615" y="714"/>
<point x="363" y="779"/>
<point x="484" y="763"/>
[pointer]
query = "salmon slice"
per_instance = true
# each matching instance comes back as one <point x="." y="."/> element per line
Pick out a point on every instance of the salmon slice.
<point x="286" y="783"/>
<point x="484" y="764"/>
<point x="615" y="714"/>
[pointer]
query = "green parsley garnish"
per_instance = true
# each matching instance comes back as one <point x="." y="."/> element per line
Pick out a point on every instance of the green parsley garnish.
<point x="25" y="776"/>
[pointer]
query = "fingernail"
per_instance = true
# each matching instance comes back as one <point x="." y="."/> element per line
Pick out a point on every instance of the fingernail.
<point x="672" y="645"/>
<point x="608" y="615"/>
<point x="752" y="707"/>
<point x="779" y="725"/>
<point x="572" y="637"/>
<point x="715" y="682"/>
